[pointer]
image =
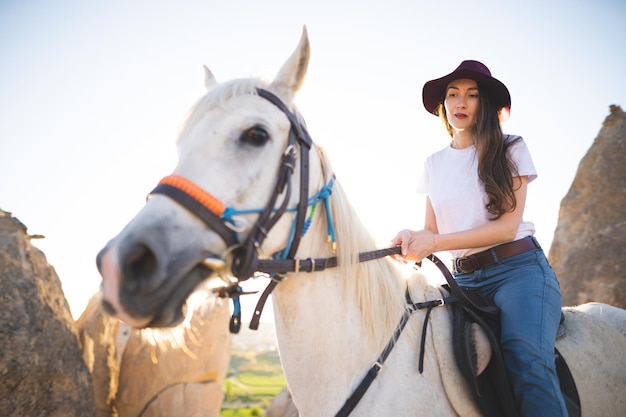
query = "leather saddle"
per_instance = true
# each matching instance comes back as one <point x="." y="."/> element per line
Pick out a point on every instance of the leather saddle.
<point x="491" y="388"/>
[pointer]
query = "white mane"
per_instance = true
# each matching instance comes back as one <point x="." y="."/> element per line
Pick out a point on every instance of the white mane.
<point x="377" y="285"/>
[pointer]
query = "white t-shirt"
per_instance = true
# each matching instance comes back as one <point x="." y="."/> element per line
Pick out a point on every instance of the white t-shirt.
<point x="458" y="197"/>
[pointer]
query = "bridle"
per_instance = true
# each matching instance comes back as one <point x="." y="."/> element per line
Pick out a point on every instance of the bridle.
<point x="221" y="219"/>
<point x="215" y="215"/>
<point x="245" y="264"/>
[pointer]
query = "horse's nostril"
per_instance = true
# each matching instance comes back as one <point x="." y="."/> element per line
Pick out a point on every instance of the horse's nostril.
<point x="139" y="266"/>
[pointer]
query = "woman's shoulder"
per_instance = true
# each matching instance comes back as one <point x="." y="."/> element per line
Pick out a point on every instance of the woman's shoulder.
<point x="515" y="143"/>
<point x="508" y="138"/>
<point x="520" y="154"/>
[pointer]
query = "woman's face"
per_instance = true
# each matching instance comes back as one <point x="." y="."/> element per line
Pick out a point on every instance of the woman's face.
<point x="461" y="104"/>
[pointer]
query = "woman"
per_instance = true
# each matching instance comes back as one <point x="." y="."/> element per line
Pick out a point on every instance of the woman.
<point x="476" y="192"/>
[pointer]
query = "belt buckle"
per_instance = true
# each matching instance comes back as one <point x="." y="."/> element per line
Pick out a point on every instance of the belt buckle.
<point x="460" y="267"/>
<point x="456" y="264"/>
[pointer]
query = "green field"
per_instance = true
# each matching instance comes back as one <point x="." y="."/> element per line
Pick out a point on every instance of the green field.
<point x="253" y="381"/>
<point x="242" y="412"/>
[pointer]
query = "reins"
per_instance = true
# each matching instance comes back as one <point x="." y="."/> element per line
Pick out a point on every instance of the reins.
<point x="410" y="308"/>
<point x="277" y="269"/>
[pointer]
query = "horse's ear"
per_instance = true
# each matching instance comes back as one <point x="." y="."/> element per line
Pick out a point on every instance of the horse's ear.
<point x="291" y="75"/>
<point x="209" y="79"/>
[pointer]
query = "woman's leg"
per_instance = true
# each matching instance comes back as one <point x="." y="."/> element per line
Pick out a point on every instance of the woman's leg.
<point x="527" y="292"/>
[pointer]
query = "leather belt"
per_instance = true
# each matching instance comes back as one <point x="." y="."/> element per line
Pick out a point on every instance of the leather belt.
<point x="490" y="256"/>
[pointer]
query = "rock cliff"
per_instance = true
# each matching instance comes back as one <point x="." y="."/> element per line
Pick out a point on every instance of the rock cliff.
<point x="41" y="369"/>
<point x="588" y="252"/>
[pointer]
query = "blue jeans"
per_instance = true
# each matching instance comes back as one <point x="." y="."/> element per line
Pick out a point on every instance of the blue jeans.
<point x="527" y="292"/>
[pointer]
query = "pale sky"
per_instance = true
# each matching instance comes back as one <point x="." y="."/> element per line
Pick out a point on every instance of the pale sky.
<point x="93" y="93"/>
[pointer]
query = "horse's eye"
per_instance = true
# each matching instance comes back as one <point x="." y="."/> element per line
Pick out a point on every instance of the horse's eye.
<point x="256" y="136"/>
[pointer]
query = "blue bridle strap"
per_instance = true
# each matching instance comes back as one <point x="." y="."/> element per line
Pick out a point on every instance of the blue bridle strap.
<point x="322" y="196"/>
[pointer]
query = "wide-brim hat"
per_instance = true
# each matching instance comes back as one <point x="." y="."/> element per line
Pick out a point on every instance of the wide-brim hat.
<point x="433" y="91"/>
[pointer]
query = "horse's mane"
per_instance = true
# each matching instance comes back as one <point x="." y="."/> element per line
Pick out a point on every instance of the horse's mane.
<point x="377" y="285"/>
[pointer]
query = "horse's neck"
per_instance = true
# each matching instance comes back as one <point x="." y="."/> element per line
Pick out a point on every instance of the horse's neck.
<point x="303" y="300"/>
<point x="324" y="340"/>
<point x="321" y="340"/>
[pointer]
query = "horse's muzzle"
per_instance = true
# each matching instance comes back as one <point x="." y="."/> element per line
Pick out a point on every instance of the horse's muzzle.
<point x="138" y="289"/>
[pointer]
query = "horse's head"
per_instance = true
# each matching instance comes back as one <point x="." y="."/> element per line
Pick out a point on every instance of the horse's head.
<point x="238" y="171"/>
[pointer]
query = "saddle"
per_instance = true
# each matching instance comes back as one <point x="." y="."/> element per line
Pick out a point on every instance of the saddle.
<point x="491" y="388"/>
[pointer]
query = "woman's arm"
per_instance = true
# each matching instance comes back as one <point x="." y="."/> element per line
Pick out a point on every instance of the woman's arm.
<point x="416" y="245"/>
<point x="430" y="221"/>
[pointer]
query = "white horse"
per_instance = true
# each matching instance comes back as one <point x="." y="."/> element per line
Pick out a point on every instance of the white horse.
<point x="235" y="150"/>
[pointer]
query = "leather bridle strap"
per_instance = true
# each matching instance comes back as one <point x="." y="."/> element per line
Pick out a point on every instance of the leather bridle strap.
<point x="304" y="140"/>
<point x="246" y="261"/>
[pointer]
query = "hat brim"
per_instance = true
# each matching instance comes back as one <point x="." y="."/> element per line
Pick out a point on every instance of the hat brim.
<point x="434" y="90"/>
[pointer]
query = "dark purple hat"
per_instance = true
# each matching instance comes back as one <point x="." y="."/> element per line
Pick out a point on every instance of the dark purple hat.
<point x="433" y="91"/>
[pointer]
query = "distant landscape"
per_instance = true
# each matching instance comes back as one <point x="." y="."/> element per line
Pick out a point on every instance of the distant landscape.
<point x="255" y="374"/>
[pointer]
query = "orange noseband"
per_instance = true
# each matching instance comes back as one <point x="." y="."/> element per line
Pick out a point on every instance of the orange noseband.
<point x="203" y="197"/>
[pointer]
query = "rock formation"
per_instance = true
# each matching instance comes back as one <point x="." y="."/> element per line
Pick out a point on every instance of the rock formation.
<point x="41" y="369"/>
<point x="588" y="252"/>
<point x="44" y="372"/>
<point x="149" y="373"/>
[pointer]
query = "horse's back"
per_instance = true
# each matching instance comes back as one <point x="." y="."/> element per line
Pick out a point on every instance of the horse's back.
<point x="614" y="316"/>
<point x="595" y="350"/>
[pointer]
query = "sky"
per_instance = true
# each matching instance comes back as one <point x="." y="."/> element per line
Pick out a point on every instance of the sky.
<point x="93" y="95"/>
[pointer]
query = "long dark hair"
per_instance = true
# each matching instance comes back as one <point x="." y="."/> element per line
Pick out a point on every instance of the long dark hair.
<point x="495" y="167"/>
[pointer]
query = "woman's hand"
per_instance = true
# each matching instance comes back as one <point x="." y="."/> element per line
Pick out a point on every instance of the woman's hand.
<point x="415" y="245"/>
